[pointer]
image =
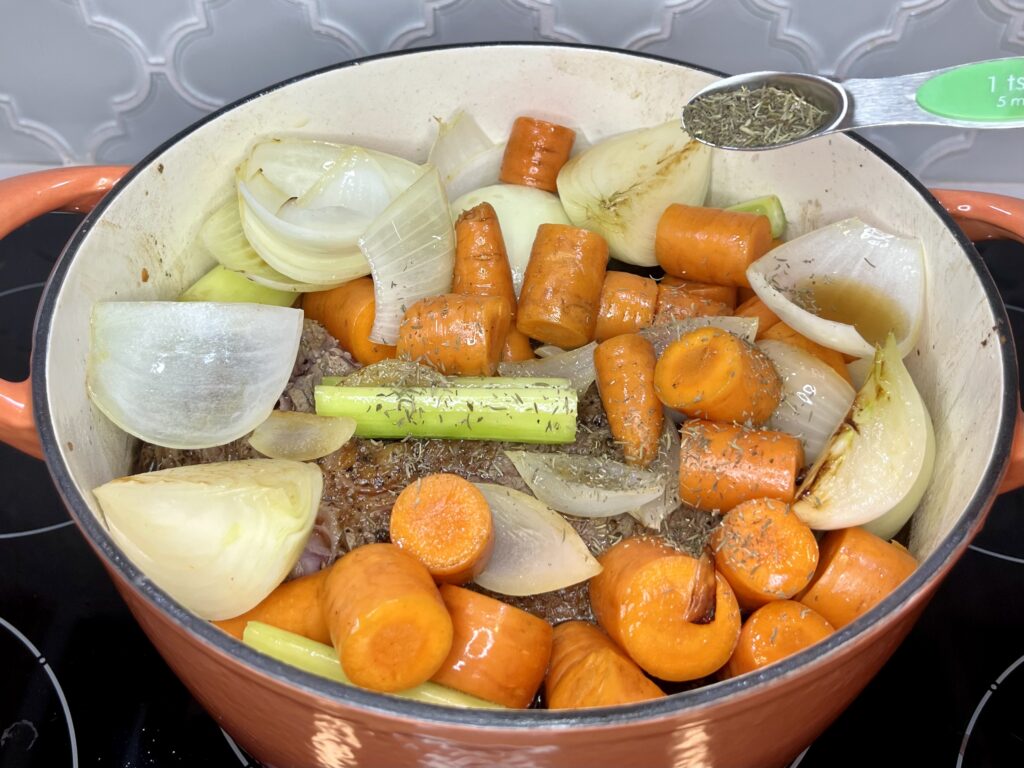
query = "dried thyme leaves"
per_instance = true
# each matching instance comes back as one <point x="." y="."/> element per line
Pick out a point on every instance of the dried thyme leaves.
<point x="747" y="118"/>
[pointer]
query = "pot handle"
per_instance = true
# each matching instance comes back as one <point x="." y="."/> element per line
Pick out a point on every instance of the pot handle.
<point x="23" y="198"/>
<point x="984" y="216"/>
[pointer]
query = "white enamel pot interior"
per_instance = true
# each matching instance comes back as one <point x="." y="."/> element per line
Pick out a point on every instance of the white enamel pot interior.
<point x="138" y="245"/>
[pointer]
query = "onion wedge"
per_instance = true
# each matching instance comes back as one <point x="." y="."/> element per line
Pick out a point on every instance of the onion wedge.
<point x="619" y="187"/>
<point x="520" y="211"/>
<point x="586" y="486"/>
<point x="216" y="537"/>
<point x="836" y="282"/>
<point x="411" y="251"/>
<point x="535" y="549"/>
<point x="879" y="462"/>
<point x="465" y="156"/>
<point x="301" y="436"/>
<point x="190" y="374"/>
<point x="815" y="399"/>
<point x="576" y="365"/>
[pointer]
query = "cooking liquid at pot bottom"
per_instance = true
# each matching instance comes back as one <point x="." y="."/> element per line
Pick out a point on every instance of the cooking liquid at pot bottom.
<point x="868" y="310"/>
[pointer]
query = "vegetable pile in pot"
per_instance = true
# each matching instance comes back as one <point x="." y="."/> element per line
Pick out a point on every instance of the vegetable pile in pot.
<point x="573" y="440"/>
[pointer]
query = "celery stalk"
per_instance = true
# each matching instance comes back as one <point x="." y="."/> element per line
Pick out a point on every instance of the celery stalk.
<point x="319" y="659"/>
<point x="519" y="410"/>
<point x="769" y="206"/>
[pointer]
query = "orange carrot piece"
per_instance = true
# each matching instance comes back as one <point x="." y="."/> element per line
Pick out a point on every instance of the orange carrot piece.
<point x="444" y="522"/>
<point x="648" y="597"/>
<point x="764" y="551"/>
<point x="562" y="286"/>
<point x="535" y="153"/>
<point x="723" y="465"/>
<point x="627" y="304"/>
<point x="773" y="632"/>
<point x="517" y="347"/>
<point x="710" y="373"/>
<point x="455" y="333"/>
<point x="678" y="303"/>
<point x="754" y="307"/>
<point x="347" y="313"/>
<point x="723" y="293"/>
<point x="386" y="618"/>
<point x="856" y="571"/>
<point x="833" y="359"/>
<point x="293" y="606"/>
<point x="481" y="261"/>
<point x="625" y="380"/>
<point x="589" y="670"/>
<point x="744" y="294"/>
<point x="710" y="245"/>
<point x="499" y="653"/>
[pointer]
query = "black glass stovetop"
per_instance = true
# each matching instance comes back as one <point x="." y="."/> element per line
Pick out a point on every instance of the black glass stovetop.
<point x="80" y="685"/>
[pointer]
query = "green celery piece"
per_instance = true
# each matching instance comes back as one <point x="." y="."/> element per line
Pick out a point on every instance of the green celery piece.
<point x="518" y="410"/>
<point x="769" y="206"/>
<point x="223" y="284"/>
<point x="322" y="660"/>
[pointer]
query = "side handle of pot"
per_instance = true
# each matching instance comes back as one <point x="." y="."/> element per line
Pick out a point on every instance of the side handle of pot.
<point x="23" y="198"/>
<point x="984" y="216"/>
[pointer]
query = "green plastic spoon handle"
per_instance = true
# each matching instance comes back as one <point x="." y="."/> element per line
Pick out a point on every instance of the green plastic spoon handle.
<point x="988" y="91"/>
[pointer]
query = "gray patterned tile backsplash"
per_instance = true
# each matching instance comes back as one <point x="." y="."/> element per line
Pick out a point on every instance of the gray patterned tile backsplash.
<point x="105" y="81"/>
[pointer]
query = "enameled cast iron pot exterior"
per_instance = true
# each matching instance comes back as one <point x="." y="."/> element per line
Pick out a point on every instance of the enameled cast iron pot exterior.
<point x="136" y="245"/>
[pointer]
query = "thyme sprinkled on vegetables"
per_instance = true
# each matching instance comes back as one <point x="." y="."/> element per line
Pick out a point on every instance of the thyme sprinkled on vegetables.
<point x="759" y="117"/>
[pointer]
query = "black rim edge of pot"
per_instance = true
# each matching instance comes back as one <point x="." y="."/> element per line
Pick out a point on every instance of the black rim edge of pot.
<point x="937" y="563"/>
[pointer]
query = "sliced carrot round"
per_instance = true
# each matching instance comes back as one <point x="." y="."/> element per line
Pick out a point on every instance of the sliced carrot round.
<point x="444" y="522"/>
<point x="764" y="551"/>
<point x="775" y="631"/>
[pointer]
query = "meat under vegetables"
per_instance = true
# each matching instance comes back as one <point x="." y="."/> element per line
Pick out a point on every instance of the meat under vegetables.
<point x="363" y="478"/>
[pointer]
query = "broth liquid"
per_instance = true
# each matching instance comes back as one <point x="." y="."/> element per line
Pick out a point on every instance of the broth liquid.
<point x="868" y="310"/>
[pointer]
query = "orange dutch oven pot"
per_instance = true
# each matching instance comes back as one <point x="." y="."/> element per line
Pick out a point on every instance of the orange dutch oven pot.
<point x="134" y="245"/>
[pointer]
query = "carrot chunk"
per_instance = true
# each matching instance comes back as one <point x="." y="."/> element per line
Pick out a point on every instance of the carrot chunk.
<point x="589" y="670"/>
<point x="625" y="381"/>
<point x="678" y="303"/>
<point x="293" y="606"/>
<point x="710" y="373"/>
<point x="386" y="618"/>
<point x="856" y="571"/>
<point x="517" y="347"/>
<point x="723" y="465"/>
<point x="347" y="313"/>
<point x="726" y="294"/>
<point x="481" y="261"/>
<point x="561" y="290"/>
<point x="444" y="522"/>
<point x="754" y="307"/>
<point x="648" y="598"/>
<point x="773" y="632"/>
<point x="710" y="245"/>
<point x="499" y="653"/>
<point x="764" y="551"/>
<point x="535" y="153"/>
<point x="455" y="333"/>
<point x="627" y="304"/>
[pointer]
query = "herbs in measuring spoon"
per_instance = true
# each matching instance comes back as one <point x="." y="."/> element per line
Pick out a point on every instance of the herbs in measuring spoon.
<point x="761" y="117"/>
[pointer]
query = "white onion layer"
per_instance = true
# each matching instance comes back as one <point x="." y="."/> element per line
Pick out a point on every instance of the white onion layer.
<point x="576" y="365"/>
<point x="190" y="374"/>
<point x="861" y="257"/>
<point x="586" y="486"/>
<point x="218" y="538"/>
<point x="815" y="399"/>
<point x="411" y="251"/>
<point x="301" y="436"/>
<point x="874" y="462"/>
<point x="620" y="186"/>
<point x="536" y="550"/>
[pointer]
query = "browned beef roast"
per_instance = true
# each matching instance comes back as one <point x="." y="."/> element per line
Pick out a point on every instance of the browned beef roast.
<point x="362" y="479"/>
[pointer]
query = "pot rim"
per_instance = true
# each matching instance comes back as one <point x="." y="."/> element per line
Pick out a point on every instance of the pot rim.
<point x="913" y="590"/>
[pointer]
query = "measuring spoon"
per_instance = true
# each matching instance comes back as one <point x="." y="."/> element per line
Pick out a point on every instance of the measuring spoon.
<point x="985" y="94"/>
